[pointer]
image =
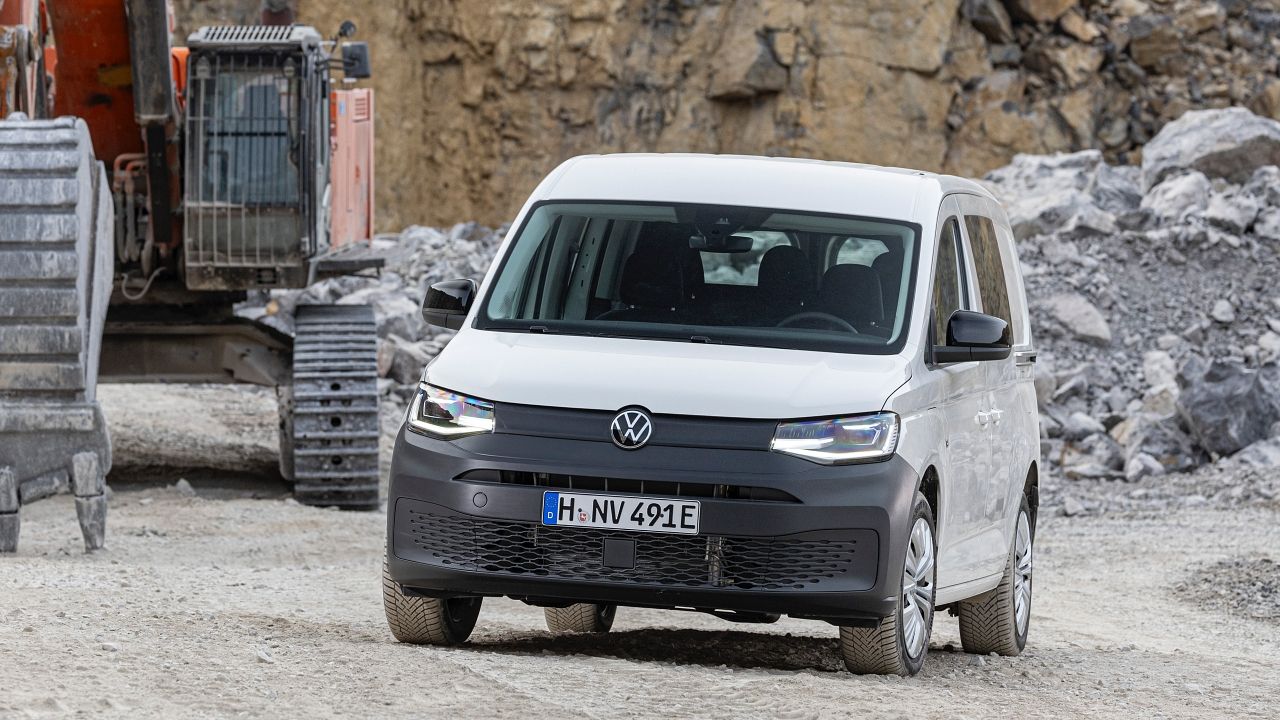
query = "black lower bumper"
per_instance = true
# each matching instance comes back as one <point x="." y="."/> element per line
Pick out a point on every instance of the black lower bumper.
<point x="824" y="553"/>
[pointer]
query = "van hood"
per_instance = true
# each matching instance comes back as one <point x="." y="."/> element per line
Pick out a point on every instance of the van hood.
<point x="664" y="377"/>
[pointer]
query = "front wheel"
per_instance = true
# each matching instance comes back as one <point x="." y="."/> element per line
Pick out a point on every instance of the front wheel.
<point x="580" y="618"/>
<point x="998" y="621"/>
<point x="899" y="643"/>
<point x="427" y="621"/>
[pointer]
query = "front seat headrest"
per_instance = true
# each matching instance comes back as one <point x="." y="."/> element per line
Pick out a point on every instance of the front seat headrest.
<point x="852" y="292"/>
<point x="785" y="275"/>
<point x="652" y="277"/>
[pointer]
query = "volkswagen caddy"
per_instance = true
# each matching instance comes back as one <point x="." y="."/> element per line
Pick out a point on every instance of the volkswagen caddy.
<point x="745" y="386"/>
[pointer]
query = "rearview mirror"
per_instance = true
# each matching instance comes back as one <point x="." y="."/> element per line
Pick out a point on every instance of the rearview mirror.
<point x="355" y="60"/>
<point x="447" y="303"/>
<point x="731" y="244"/>
<point x="974" y="336"/>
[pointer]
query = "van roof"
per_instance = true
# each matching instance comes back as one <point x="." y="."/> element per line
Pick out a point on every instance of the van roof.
<point x="841" y="188"/>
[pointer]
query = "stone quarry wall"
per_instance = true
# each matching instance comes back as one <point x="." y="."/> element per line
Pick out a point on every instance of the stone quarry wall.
<point x="478" y="100"/>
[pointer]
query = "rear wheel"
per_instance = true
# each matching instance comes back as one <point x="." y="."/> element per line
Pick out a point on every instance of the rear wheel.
<point x="998" y="621"/>
<point x="581" y="618"/>
<point x="427" y="621"/>
<point x="899" y="643"/>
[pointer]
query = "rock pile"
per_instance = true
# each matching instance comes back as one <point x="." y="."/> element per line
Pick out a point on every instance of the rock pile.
<point x="1153" y="297"/>
<point x="425" y="256"/>
<point x="1151" y="288"/>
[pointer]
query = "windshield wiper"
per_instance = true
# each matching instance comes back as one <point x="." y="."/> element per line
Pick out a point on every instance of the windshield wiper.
<point x="703" y="339"/>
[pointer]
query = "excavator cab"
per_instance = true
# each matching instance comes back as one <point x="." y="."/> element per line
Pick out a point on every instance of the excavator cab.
<point x="256" y="203"/>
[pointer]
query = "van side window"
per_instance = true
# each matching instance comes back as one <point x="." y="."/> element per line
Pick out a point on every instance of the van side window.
<point x="988" y="267"/>
<point x="948" y="293"/>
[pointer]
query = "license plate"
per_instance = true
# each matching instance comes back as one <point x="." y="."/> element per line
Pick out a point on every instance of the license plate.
<point x="620" y="513"/>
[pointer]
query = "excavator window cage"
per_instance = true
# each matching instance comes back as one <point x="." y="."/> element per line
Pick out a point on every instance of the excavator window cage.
<point x="252" y="159"/>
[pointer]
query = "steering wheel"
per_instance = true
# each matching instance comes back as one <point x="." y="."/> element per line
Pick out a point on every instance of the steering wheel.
<point x="827" y="318"/>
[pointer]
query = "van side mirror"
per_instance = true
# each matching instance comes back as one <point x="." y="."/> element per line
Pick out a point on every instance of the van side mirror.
<point x="974" y="336"/>
<point x="448" y="302"/>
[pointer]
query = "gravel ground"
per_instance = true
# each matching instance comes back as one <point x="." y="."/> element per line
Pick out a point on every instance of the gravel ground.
<point x="207" y="606"/>
<point x="1239" y="586"/>
<point x="239" y="602"/>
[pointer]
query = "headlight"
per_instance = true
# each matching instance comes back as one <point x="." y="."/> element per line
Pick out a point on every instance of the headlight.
<point x="447" y="416"/>
<point x="860" y="438"/>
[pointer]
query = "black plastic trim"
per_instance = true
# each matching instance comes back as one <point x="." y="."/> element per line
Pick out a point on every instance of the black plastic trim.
<point x="875" y="497"/>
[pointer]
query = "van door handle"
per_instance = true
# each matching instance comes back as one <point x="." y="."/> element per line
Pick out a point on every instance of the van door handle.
<point x="983" y="418"/>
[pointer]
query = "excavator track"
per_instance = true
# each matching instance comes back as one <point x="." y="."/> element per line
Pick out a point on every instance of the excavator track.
<point x="335" y="427"/>
<point x="56" y="259"/>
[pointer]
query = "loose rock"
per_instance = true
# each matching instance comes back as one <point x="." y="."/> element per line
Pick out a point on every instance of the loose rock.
<point x="1080" y="317"/>
<point x="1230" y="143"/>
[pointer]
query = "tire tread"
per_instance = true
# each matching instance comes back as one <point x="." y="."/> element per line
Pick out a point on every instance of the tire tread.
<point x="873" y="650"/>
<point x="879" y="650"/>
<point x="415" y="620"/>
<point x="989" y="624"/>
<point x="576" y="618"/>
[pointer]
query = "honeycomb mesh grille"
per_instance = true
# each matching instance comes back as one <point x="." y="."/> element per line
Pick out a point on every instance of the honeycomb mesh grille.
<point x="528" y="549"/>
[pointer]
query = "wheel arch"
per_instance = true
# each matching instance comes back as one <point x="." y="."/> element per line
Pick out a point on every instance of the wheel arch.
<point x="931" y="487"/>
<point x="1031" y="490"/>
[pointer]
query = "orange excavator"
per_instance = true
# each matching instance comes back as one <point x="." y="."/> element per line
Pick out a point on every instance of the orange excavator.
<point x="144" y="190"/>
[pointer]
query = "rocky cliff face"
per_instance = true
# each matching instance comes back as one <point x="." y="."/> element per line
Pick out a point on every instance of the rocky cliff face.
<point x="478" y="100"/>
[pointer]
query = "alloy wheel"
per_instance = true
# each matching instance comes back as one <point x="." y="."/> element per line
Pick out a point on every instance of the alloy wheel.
<point x="917" y="588"/>
<point x="1022" y="566"/>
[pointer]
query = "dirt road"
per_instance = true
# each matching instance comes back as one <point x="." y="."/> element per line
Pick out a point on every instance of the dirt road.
<point x="264" y="608"/>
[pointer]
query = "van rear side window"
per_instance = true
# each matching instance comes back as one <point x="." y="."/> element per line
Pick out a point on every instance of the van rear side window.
<point x="987" y="264"/>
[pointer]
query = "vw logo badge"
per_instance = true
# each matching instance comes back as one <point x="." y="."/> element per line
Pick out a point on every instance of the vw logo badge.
<point x="631" y="429"/>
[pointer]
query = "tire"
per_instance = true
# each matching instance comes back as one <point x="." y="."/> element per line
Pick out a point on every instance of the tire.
<point x="427" y="621"/>
<point x="997" y="622"/>
<point x="580" y="618"/>
<point x="895" y="647"/>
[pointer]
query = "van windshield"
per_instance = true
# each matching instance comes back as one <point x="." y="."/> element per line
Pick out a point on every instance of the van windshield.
<point x="708" y="273"/>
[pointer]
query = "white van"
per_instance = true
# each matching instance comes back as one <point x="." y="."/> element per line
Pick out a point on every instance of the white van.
<point x="746" y="386"/>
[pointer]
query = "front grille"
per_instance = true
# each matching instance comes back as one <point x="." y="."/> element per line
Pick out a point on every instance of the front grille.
<point x="665" y="488"/>
<point x="531" y="550"/>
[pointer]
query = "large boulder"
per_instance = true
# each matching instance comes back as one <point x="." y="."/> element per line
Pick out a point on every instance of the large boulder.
<point x="402" y="360"/>
<point x="1071" y="194"/>
<point x="1229" y="143"/>
<point x="1080" y="318"/>
<point x="1160" y="437"/>
<point x="1228" y="406"/>
<point x="1263" y="454"/>
<point x="1179" y="197"/>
